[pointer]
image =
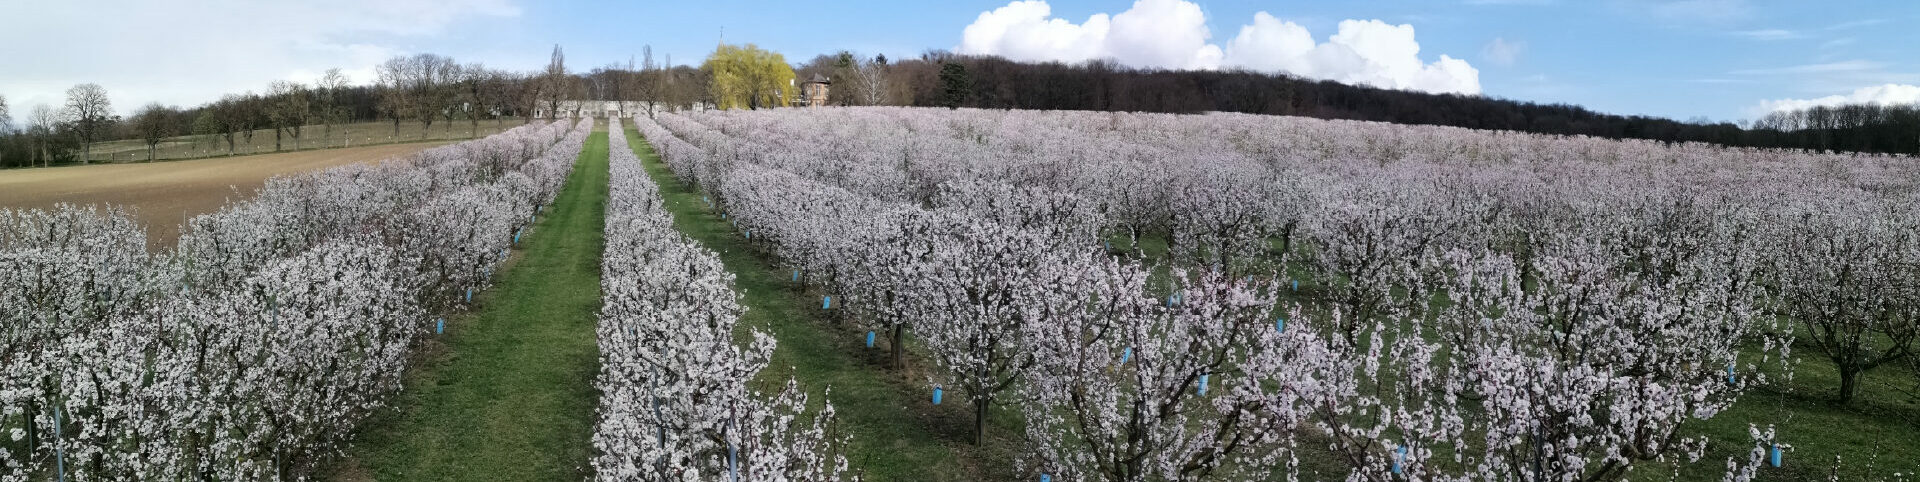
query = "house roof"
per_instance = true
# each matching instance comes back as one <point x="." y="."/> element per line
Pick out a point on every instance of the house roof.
<point x="819" y="79"/>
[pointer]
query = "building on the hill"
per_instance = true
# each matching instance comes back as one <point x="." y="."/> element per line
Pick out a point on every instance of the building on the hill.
<point x="813" y="92"/>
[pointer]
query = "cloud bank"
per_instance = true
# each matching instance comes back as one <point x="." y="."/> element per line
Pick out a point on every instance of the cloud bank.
<point x="1879" y="94"/>
<point x="1173" y="34"/>
<point x="185" y="55"/>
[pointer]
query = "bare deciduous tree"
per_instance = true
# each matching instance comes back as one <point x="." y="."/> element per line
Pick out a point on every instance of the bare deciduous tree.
<point x="557" y="83"/>
<point x="252" y="113"/>
<point x="394" y="99"/>
<point x="90" y="112"/>
<point x="445" y="91"/>
<point x="497" y="93"/>
<point x="206" y="126"/>
<point x="154" y="123"/>
<point x="42" y="123"/>
<point x="867" y="81"/>
<point x="235" y="115"/>
<point x="326" y="100"/>
<point x="649" y="85"/>
<point x="473" y="82"/>
<point x="288" y="106"/>
<point x="510" y="91"/>
<point x="6" y="126"/>
<point x="419" y="87"/>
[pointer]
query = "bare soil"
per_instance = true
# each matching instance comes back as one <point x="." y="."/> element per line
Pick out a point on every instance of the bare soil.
<point x="164" y="195"/>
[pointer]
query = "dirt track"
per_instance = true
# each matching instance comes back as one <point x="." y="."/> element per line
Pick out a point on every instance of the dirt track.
<point x="163" y="195"/>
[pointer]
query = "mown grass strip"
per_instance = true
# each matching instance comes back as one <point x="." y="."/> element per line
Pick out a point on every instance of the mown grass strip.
<point x="510" y="396"/>
<point x="898" y="434"/>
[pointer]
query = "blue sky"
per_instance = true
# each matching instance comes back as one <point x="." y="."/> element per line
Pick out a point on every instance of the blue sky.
<point x="1720" y="59"/>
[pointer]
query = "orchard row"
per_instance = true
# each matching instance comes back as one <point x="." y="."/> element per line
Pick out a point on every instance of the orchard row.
<point x="254" y="349"/>
<point x="1478" y="305"/>
<point x="675" y="402"/>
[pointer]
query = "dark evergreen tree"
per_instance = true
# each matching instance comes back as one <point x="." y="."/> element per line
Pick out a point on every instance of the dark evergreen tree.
<point x="956" y="84"/>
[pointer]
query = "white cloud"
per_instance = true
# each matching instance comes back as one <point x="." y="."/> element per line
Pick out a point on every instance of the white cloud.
<point x="1173" y="34"/>
<point x="1856" y="24"/>
<point x="1369" y="52"/>
<point x="1023" y="31"/>
<point x="1821" y="68"/>
<point x="1271" y="44"/>
<point x="1770" y="34"/>
<point x="1839" y="42"/>
<point x="1879" y="94"/>
<point x="1503" y="53"/>
<point x="186" y="55"/>
<point x="1689" y="11"/>
<point x="1154" y="33"/>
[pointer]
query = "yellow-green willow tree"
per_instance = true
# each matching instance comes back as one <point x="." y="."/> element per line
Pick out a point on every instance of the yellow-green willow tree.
<point x="748" y="77"/>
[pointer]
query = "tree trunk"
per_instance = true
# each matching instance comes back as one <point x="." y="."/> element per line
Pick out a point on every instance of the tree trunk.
<point x="1849" y="383"/>
<point x="979" y="422"/>
<point x="1286" y="238"/>
<point x="899" y="332"/>
<point x="33" y="426"/>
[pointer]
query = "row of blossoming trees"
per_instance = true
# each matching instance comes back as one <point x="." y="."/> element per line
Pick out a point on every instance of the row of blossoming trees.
<point x="675" y="399"/>
<point x="1475" y="306"/>
<point x="253" y="349"/>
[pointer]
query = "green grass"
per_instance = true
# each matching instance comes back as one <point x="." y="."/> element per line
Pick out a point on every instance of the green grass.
<point x="898" y="434"/>
<point x="510" y="395"/>
<point x="1880" y="426"/>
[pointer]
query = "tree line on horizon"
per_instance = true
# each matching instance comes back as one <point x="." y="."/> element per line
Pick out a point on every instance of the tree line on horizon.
<point x="419" y="90"/>
<point x="426" y="89"/>
<point x="998" y="83"/>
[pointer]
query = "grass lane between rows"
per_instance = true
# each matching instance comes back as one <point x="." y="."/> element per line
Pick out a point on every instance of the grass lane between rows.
<point x="508" y="394"/>
<point x="898" y="434"/>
